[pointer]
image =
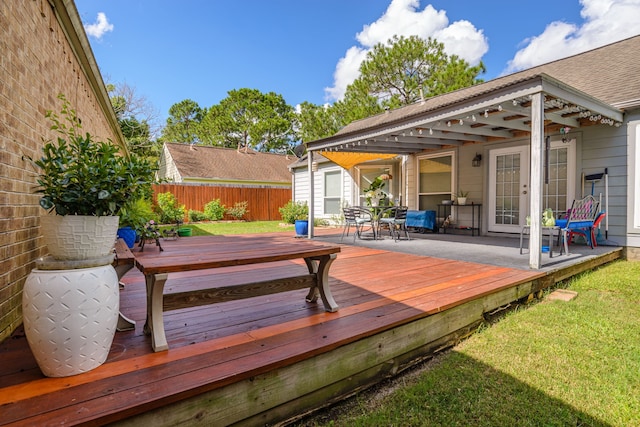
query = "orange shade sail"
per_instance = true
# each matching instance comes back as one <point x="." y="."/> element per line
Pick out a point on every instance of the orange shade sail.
<point x="349" y="160"/>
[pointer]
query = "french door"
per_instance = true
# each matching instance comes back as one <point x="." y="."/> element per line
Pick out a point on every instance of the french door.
<point x="509" y="184"/>
<point x="508" y="188"/>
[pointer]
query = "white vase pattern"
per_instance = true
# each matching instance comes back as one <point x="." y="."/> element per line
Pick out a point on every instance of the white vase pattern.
<point x="78" y="237"/>
<point x="70" y="318"/>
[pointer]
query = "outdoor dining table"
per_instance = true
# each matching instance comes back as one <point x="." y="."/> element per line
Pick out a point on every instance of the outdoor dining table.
<point x="214" y="252"/>
<point x="376" y="213"/>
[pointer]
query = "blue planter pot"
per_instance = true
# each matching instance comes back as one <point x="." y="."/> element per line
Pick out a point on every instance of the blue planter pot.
<point x="302" y="227"/>
<point x="127" y="234"/>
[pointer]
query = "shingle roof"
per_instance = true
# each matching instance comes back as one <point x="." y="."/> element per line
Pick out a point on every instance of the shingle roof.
<point x="202" y="162"/>
<point x="610" y="74"/>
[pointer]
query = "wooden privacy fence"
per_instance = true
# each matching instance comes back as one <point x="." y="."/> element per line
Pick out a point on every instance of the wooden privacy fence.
<point x="262" y="203"/>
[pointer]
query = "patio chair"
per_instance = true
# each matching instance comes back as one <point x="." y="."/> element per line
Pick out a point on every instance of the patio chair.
<point x="582" y="216"/>
<point x="396" y="221"/>
<point x="356" y="217"/>
<point x="588" y="233"/>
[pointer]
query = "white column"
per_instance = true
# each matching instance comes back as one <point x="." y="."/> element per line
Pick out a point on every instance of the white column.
<point x="537" y="171"/>
<point x="311" y="192"/>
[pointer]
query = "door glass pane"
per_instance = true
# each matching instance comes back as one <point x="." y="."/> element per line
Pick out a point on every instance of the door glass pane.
<point x="555" y="191"/>
<point x="508" y="189"/>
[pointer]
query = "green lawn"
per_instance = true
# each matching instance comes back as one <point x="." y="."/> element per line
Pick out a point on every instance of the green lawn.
<point x="552" y="363"/>
<point x="239" y="227"/>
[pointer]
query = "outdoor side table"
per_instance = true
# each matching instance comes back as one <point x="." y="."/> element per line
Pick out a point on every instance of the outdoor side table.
<point x="550" y="231"/>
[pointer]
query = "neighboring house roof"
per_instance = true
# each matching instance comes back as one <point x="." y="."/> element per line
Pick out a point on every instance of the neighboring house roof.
<point x="214" y="164"/>
<point x="604" y="80"/>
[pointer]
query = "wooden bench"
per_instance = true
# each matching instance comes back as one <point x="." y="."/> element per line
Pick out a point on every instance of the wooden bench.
<point x="123" y="261"/>
<point x="212" y="252"/>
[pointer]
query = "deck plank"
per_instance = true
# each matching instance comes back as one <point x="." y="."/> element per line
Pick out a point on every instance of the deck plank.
<point x="212" y="346"/>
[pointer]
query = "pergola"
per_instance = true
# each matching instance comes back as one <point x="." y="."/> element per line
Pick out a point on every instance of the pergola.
<point x="499" y="110"/>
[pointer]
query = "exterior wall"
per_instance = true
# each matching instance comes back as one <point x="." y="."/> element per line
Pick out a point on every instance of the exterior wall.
<point x="633" y="186"/>
<point x="38" y="61"/>
<point x="301" y="188"/>
<point x="605" y="147"/>
<point x="167" y="168"/>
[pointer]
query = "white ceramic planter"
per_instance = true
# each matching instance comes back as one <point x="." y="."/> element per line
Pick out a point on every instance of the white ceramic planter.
<point x="75" y="237"/>
<point x="70" y="318"/>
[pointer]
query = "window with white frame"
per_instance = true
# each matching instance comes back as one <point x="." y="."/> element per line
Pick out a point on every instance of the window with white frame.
<point x="332" y="193"/>
<point x="435" y="180"/>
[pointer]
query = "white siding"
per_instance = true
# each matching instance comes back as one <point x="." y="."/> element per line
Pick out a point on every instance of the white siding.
<point x="633" y="183"/>
<point x="301" y="188"/>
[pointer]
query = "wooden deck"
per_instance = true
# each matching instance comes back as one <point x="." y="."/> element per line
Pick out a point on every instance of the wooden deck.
<point x="262" y="360"/>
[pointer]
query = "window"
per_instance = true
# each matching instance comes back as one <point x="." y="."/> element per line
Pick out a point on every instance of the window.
<point x="435" y="180"/>
<point x="367" y="174"/>
<point x="332" y="185"/>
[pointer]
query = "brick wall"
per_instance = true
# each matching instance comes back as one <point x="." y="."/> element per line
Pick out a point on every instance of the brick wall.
<point x="37" y="62"/>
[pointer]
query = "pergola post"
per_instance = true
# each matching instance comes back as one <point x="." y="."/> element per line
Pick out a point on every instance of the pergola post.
<point x="311" y="193"/>
<point x="536" y="172"/>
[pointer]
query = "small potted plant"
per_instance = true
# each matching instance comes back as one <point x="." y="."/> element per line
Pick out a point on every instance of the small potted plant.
<point x="462" y="197"/>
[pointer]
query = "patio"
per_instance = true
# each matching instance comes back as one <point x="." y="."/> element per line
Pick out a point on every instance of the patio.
<point x="267" y="359"/>
<point x="498" y="251"/>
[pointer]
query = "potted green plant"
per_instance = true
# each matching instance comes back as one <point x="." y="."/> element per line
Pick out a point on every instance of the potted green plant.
<point x="81" y="179"/>
<point x="462" y="197"/>
<point x="133" y="217"/>
<point x="84" y="185"/>
<point x="296" y="213"/>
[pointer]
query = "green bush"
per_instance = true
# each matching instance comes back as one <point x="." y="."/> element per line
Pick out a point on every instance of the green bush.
<point x="214" y="210"/>
<point x="293" y="211"/>
<point x="137" y="213"/>
<point x="169" y="209"/>
<point x="196" y="216"/>
<point x="239" y="210"/>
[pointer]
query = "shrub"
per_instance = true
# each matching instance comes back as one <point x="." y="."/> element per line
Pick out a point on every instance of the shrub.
<point x="137" y="213"/>
<point x="239" y="210"/>
<point x="169" y="209"/>
<point x="293" y="211"/>
<point x="196" y="216"/>
<point x="214" y="210"/>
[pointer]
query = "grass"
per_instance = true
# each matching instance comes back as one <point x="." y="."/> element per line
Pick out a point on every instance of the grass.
<point x="239" y="227"/>
<point x="553" y="363"/>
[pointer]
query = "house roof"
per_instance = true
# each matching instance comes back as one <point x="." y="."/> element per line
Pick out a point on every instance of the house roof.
<point x="593" y="87"/>
<point x="203" y="163"/>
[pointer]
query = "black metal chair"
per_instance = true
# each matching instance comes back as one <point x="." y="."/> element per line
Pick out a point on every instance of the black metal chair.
<point x="349" y="220"/>
<point x="356" y="217"/>
<point x="396" y="219"/>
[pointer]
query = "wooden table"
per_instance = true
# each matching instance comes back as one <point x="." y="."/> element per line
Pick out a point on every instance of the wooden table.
<point x="211" y="252"/>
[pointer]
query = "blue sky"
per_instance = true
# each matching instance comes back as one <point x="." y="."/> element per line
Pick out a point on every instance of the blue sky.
<point x="309" y="50"/>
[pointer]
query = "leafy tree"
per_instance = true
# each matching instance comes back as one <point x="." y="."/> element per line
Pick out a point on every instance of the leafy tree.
<point x="248" y="118"/>
<point x="316" y="121"/>
<point x="404" y="70"/>
<point x="183" y="123"/>
<point x="137" y="119"/>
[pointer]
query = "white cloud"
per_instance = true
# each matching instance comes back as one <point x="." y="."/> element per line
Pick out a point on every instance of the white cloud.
<point x="100" y="27"/>
<point x="605" y="21"/>
<point x="403" y="18"/>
